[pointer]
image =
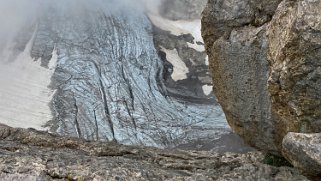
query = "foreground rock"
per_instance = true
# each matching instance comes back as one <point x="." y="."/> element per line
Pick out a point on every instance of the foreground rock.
<point x="295" y="59"/>
<point x="33" y="155"/>
<point x="304" y="151"/>
<point x="265" y="61"/>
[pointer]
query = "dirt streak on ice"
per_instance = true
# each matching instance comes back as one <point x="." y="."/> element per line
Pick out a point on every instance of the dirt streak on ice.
<point x="24" y="92"/>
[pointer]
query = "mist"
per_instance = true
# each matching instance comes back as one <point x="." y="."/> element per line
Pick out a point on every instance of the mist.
<point x="16" y="14"/>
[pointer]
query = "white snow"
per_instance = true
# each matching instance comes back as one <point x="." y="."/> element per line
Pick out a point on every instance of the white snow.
<point x="181" y="27"/>
<point x="24" y="92"/>
<point x="180" y="69"/>
<point x="206" y="61"/>
<point x="207" y="89"/>
<point x="197" y="47"/>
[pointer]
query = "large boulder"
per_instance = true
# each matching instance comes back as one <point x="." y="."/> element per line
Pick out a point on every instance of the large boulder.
<point x="265" y="59"/>
<point x="295" y="63"/>
<point x="303" y="151"/>
<point x="235" y="37"/>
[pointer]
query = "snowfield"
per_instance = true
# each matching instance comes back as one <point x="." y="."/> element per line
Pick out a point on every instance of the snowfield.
<point x="24" y="89"/>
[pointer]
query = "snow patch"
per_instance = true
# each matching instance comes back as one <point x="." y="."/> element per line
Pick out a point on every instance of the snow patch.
<point x="180" y="69"/>
<point x="207" y="89"/>
<point x="193" y="27"/>
<point x="181" y="27"/>
<point x="197" y="47"/>
<point x="24" y="91"/>
<point x="206" y="61"/>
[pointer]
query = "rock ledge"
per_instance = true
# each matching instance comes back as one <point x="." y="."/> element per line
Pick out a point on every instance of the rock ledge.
<point x="33" y="155"/>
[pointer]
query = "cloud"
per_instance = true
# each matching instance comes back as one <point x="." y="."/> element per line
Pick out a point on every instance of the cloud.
<point x="17" y="12"/>
<point x="152" y="6"/>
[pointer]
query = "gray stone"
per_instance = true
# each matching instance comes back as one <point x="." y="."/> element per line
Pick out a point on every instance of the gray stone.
<point x="303" y="151"/>
<point x="32" y="155"/>
<point x="240" y="71"/>
<point x="265" y="61"/>
<point x="221" y="16"/>
<point x="295" y="63"/>
<point x="235" y="37"/>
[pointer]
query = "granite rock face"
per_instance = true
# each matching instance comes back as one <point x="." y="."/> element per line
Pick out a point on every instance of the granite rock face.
<point x="295" y="59"/>
<point x="303" y="151"/>
<point x="32" y="155"/>
<point x="265" y="61"/>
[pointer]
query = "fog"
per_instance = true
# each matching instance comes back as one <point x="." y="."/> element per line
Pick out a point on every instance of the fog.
<point x="14" y="14"/>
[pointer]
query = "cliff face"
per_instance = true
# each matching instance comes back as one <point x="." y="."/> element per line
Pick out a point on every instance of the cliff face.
<point x="265" y="60"/>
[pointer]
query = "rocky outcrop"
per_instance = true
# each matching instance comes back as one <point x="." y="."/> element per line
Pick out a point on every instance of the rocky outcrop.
<point x="265" y="61"/>
<point x="304" y="151"/>
<point x="33" y="155"/>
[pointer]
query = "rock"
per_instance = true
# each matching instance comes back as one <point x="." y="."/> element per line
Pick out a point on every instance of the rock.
<point x="303" y="151"/>
<point x="265" y="62"/>
<point x="240" y="84"/>
<point x="221" y="16"/>
<point x="237" y="44"/>
<point x="34" y="155"/>
<point x="295" y="64"/>
<point x="182" y="9"/>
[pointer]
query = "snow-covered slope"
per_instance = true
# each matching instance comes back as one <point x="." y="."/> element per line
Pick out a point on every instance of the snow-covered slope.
<point x="24" y="91"/>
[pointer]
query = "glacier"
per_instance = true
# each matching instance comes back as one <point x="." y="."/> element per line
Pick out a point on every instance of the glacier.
<point x="92" y="71"/>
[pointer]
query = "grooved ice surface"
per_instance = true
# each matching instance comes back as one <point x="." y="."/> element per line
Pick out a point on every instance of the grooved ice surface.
<point x="105" y="80"/>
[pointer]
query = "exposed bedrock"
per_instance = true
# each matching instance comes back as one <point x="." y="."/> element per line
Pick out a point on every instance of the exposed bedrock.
<point x="265" y="58"/>
<point x="34" y="155"/>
